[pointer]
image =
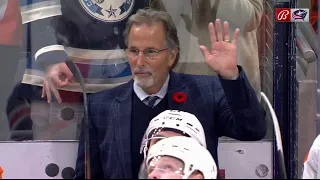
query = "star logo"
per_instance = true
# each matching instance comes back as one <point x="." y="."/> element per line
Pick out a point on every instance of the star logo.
<point x="300" y="15"/>
<point x="111" y="11"/>
<point x="108" y="10"/>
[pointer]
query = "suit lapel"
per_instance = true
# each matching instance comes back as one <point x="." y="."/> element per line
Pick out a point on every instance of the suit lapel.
<point x="122" y="116"/>
<point x="122" y="122"/>
<point x="176" y="84"/>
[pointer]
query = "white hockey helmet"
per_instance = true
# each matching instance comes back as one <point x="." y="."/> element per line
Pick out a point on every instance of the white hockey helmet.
<point x="181" y="121"/>
<point x="194" y="156"/>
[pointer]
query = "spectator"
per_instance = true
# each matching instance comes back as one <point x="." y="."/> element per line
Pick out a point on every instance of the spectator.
<point x="311" y="164"/>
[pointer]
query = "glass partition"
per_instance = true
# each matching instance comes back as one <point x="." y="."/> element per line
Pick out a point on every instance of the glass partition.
<point x="307" y="69"/>
<point x="35" y="35"/>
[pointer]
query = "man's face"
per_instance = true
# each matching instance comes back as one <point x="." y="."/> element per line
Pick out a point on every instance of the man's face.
<point x="174" y="166"/>
<point x="165" y="167"/>
<point x="150" y="73"/>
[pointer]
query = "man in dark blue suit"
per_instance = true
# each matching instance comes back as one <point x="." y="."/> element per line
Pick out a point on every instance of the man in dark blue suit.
<point x="226" y="104"/>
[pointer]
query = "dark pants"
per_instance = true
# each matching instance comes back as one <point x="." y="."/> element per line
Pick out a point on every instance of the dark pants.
<point x="19" y="112"/>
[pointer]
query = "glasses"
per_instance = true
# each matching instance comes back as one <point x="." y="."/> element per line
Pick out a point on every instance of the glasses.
<point x="149" y="53"/>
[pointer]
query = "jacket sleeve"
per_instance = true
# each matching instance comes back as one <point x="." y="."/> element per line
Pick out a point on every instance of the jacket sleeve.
<point x="310" y="166"/>
<point x="244" y="14"/>
<point x="95" y="159"/>
<point x="239" y="113"/>
<point x="42" y="39"/>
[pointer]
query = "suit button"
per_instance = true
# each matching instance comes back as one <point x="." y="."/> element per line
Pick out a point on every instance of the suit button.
<point x="67" y="113"/>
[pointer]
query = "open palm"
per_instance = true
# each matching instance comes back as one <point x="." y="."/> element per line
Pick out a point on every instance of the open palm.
<point x="223" y="55"/>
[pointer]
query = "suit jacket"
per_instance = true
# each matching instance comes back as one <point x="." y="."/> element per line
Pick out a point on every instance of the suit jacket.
<point x="224" y="107"/>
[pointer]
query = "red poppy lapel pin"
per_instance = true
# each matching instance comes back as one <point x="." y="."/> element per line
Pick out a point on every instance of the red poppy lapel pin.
<point x="179" y="97"/>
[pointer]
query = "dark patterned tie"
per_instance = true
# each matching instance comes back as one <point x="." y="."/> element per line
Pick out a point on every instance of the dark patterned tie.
<point x="151" y="100"/>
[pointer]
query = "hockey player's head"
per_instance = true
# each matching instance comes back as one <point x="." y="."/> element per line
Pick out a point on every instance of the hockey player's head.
<point x="172" y="123"/>
<point x="180" y="157"/>
<point x="152" y="47"/>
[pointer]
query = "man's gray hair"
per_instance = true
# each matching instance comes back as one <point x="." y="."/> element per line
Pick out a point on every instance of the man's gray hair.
<point x="149" y="16"/>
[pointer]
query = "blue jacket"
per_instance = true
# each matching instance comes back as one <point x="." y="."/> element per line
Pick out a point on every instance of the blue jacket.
<point x="224" y="107"/>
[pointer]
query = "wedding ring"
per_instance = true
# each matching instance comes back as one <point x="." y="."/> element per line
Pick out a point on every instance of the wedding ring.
<point x="227" y="40"/>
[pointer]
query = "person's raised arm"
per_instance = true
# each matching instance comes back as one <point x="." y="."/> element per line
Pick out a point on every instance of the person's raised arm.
<point x="238" y="114"/>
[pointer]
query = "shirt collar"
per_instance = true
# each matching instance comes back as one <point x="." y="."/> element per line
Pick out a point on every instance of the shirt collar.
<point x="142" y="95"/>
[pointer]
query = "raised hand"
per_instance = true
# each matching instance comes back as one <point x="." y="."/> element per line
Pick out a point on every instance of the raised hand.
<point x="222" y="57"/>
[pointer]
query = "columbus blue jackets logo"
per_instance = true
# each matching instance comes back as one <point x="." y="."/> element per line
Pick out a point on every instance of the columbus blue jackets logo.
<point x="108" y="10"/>
<point x="300" y="15"/>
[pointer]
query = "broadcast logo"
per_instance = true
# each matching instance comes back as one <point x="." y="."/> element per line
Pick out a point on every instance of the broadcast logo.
<point x="292" y="15"/>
